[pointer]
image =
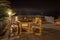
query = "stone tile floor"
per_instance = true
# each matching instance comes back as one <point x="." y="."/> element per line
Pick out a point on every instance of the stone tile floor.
<point x="47" y="34"/>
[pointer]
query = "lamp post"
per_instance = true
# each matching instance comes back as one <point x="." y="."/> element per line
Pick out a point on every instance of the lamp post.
<point x="9" y="23"/>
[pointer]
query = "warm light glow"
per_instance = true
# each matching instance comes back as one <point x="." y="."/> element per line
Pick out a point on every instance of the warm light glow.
<point x="9" y="13"/>
<point x="24" y="24"/>
<point x="16" y="18"/>
<point x="36" y="19"/>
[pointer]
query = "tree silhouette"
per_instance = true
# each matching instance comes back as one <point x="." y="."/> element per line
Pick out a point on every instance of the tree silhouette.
<point x="3" y="18"/>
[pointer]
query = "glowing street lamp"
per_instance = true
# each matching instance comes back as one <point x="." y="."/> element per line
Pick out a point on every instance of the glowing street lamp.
<point x="9" y="24"/>
<point x="9" y="13"/>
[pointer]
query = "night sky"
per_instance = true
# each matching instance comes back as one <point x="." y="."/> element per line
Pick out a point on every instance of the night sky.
<point x="36" y="4"/>
<point x="47" y="7"/>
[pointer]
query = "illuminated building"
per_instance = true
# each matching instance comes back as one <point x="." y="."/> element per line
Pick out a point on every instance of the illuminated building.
<point x="27" y="25"/>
